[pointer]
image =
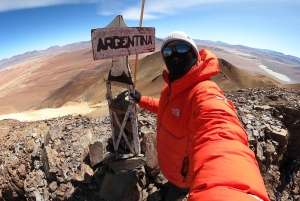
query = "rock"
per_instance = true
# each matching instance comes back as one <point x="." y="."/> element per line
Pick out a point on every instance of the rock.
<point x="38" y="196"/>
<point x="273" y="97"/>
<point x="250" y="136"/>
<point x="260" y="153"/>
<point x="295" y="190"/>
<point x="36" y="150"/>
<point x="242" y="100"/>
<point x="154" y="196"/>
<point x="160" y="179"/>
<point x="255" y="133"/>
<point x="244" y="120"/>
<point x="62" y="187"/>
<point x="292" y="111"/>
<point x="48" y="159"/>
<point x="270" y="153"/>
<point x="279" y="136"/>
<point x="145" y="130"/>
<point x="54" y="133"/>
<point x="53" y="186"/>
<point x="144" y="195"/>
<point x="97" y="152"/>
<point x="30" y="145"/>
<point x="250" y="116"/>
<point x="46" y="195"/>
<point x="262" y="107"/>
<point x="86" y="139"/>
<point x="119" y="187"/>
<point x="53" y="195"/>
<point x="99" y="176"/>
<point x="127" y="164"/>
<point x="110" y="158"/>
<point x="85" y="175"/>
<point x="22" y="170"/>
<point x="148" y="147"/>
<point x="39" y="179"/>
<point x="60" y="194"/>
<point x="272" y="126"/>
<point x="143" y="179"/>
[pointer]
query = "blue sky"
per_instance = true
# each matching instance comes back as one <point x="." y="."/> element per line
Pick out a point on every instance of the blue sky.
<point x="38" y="24"/>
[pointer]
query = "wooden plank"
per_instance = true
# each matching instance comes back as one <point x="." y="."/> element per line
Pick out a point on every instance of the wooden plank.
<point x="122" y="41"/>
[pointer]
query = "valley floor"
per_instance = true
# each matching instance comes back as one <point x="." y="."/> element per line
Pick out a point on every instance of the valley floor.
<point x="68" y="109"/>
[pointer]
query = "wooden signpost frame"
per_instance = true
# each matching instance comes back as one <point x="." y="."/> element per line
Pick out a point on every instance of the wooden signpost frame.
<point x="117" y="41"/>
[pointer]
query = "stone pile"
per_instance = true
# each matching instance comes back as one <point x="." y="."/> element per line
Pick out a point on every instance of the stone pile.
<point x="72" y="157"/>
<point x="47" y="160"/>
<point x="271" y="117"/>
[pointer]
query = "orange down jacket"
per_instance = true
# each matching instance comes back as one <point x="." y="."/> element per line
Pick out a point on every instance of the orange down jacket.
<point x="200" y="141"/>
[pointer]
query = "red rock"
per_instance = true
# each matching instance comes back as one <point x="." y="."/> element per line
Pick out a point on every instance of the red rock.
<point x="53" y="186"/>
<point x="22" y="170"/>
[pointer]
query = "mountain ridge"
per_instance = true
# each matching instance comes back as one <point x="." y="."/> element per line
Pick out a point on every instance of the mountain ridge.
<point x="72" y="75"/>
<point x="4" y="61"/>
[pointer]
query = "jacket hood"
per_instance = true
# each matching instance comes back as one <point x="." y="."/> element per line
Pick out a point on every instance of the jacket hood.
<point x="206" y="66"/>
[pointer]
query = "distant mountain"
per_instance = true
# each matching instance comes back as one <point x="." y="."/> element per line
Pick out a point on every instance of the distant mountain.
<point x="159" y="40"/>
<point x="272" y="52"/>
<point x="53" y="47"/>
<point x="290" y="60"/>
<point x="211" y="42"/>
<point x="293" y="60"/>
<point x="53" y="50"/>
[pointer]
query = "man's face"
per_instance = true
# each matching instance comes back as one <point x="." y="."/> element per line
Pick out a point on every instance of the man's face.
<point x="176" y="57"/>
<point x="179" y="58"/>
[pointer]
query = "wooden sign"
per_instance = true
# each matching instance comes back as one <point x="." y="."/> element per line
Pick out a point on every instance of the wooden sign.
<point x="122" y="41"/>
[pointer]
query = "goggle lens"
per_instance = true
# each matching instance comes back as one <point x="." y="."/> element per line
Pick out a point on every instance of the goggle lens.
<point x="180" y="48"/>
<point x="167" y="51"/>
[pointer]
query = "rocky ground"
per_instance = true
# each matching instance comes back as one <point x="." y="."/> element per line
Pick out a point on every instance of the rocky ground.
<point x="72" y="158"/>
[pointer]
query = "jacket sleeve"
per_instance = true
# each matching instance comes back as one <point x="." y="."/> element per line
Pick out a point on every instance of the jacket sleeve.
<point x="223" y="167"/>
<point x="150" y="104"/>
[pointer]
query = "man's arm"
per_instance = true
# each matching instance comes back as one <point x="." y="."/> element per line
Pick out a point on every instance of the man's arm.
<point x="224" y="168"/>
<point x="145" y="102"/>
<point x="150" y="104"/>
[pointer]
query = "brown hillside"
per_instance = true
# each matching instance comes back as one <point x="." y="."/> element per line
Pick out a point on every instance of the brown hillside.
<point x="149" y="76"/>
<point x="75" y="77"/>
<point x="89" y="85"/>
<point x="232" y="78"/>
<point x="27" y="84"/>
<point x="150" y="81"/>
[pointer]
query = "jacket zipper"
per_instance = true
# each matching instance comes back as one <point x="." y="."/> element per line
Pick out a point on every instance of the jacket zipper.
<point x="185" y="168"/>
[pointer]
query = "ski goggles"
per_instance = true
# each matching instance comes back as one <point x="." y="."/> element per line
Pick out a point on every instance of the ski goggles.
<point x="180" y="48"/>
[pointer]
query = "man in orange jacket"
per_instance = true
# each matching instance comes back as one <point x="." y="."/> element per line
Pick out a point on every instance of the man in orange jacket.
<point x="201" y="143"/>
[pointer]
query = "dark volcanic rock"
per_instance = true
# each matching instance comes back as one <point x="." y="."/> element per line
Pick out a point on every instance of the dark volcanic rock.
<point x="72" y="158"/>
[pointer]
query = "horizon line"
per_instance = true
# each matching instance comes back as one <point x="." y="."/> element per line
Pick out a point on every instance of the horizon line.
<point x="218" y="42"/>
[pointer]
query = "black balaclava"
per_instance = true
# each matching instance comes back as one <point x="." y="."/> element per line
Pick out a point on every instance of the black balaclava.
<point x="178" y="64"/>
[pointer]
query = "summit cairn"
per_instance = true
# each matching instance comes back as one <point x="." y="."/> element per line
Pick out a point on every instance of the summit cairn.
<point x="117" y="41"/>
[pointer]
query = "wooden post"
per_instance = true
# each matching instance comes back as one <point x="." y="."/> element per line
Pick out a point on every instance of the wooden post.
<point x="137" y="56"/>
